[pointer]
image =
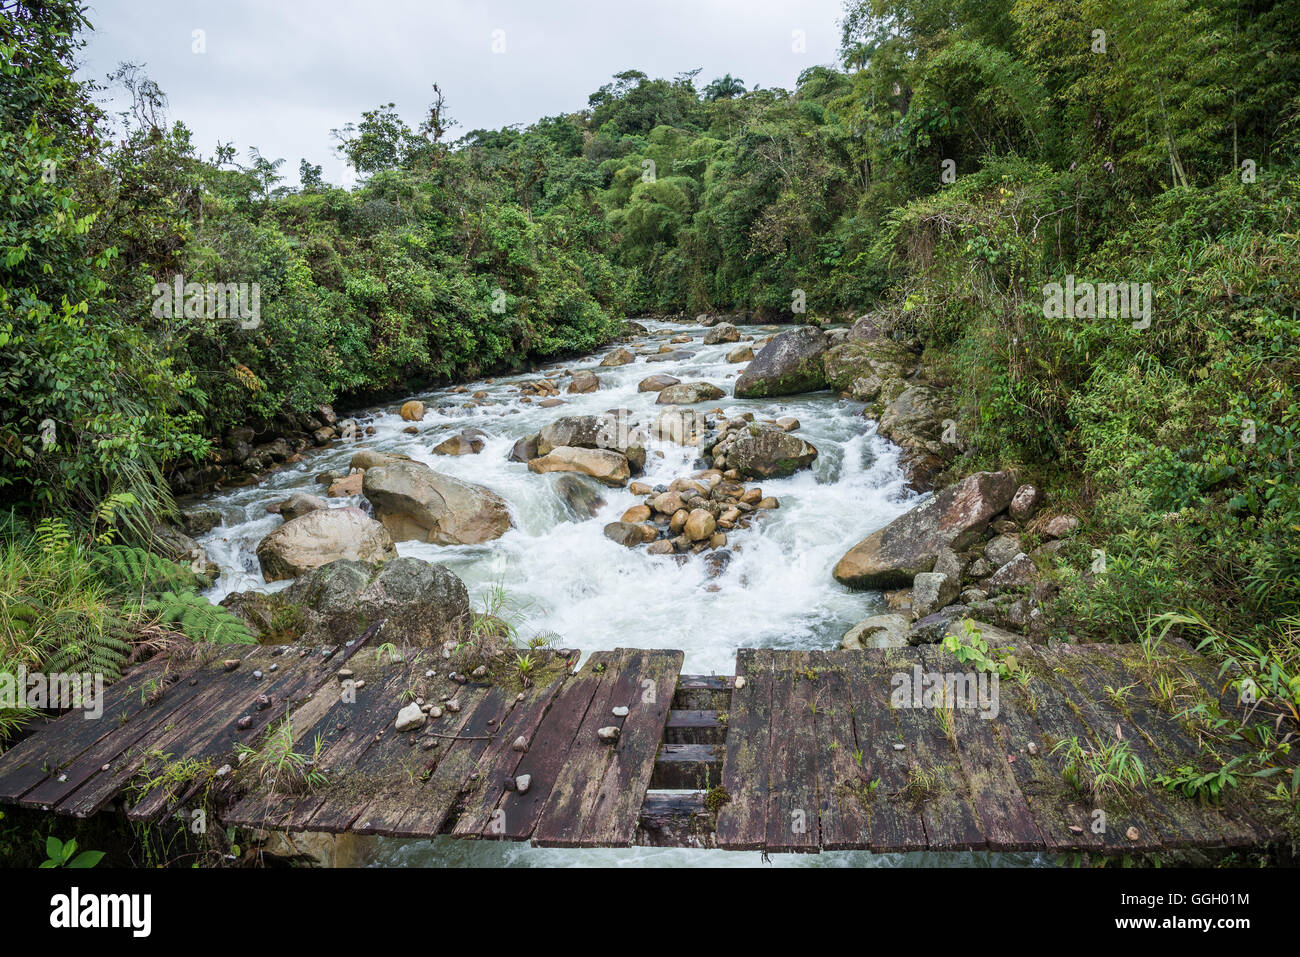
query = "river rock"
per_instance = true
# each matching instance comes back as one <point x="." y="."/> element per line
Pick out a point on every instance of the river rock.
<point x="524" y="449"/>
<point x="370" y="458"/>
<point x="412" y="411"/>
<point x="320" y="537"/>
<point x="760" y="450"/>
<point x="581" y="497"/>
<point x="656" y="383"/>
<point x="583" y="382"/>
<point x="1002" y="548"/>
<point x="932" y="591"/>
<point x="878" y="631"/>
<point x="423" y="602"/>
<point x="909" y="545"/>
<point x="1016" y="573"/>
<point x="689" y="393"/>
<point x="299" y="504"/>
<point x="741" y="354"/>
<point x="722" y="332"/>
<point x="791" y="363"/>
<point x="699" y="525"/>
<point x="683" y="426"/>
<point x="604" y="465"/>
<point x="618" y="357"/>
<point x="610" y="431"/>
<point x="346" y="485"/>
<point x="415" y="503"/>
<point x="199" y="519"/>
<point x="461" y="444"/>
<point x="625" y="533"/>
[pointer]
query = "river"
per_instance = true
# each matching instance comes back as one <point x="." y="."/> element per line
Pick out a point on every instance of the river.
<point x="564" y="578"/>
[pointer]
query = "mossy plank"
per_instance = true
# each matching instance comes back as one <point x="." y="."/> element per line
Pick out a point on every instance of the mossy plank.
<point x="1004" y="814"/>
<point x="742" y="820"/>
<point x="613" y="814"/>
<point x="164" y="735"/>
<point x="937" y="783"/>
<point x="792" y="809"/>
<point x="51" y="752"/>
<point x="516" y="815"/>
<point x="842" y="813"/>
<point x="216" y="734"/>
<point x="895" y="822"/>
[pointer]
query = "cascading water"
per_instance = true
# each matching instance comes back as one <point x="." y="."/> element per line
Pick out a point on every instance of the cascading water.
<point x="563" y="577"/>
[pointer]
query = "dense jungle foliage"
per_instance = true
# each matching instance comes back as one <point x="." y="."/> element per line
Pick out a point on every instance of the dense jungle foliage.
<point x="962" y="154"/>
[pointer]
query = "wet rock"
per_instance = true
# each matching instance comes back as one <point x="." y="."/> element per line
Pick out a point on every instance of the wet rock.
<point x="612" y="431"/>
<point x="320" y="537"/>
<point x="581" y="497"/>
<point x="299" y="504"/>
<point x="765" y="451"/>
<point x="608" y="467"/>
<point x="525" y="449"/>
<point x="618" y="357"/>
<point x="791" y="363"/>
<point x="415" y="503"/>
<point x="656" y="383"/>
<point x="583" y="382"/>
<point x="625" y="533"/>
<point x="699" y="525"/>
<point x="910" y="544"/>
<point x="461" y="444"/>
<point x="412" y="411"/>
<point x="722" y="332"/>
<point x="743" y="353"/>
<point x="689" y="393"/>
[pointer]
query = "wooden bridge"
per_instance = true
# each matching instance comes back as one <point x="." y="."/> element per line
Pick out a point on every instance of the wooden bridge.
<point x="798" y="751"/>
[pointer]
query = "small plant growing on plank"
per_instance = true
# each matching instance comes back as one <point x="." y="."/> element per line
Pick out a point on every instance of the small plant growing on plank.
<point x="1106" y="772"/>
<point x="1207" y="787"/>
<point x="277" y="764"/>
<point x="387" y="650"/>
<point x="970" y="648"/>
<point x="525" y="667"/>
<point x="714" y="798"/>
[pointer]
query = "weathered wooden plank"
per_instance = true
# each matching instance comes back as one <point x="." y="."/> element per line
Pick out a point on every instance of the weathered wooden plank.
<point x="742" y="820"/>
<point x="516" y="815"/>
<point x="676" y="819"/>
<point x="973" y="701"/>
<point x="881" y="787"/>
<point x="497" y="768"/>
<point x="215" y="736"/>
<point x="49" y="753"/>
<point x="564" y="820"/>
<point x="1232" y="820"/>
<point x="695" y="726"/>
<point x="101" y="788"/>
<point x="612" y="816"/>
<point x="703" y="692"/>
<point x="1173" y="826"/>
<point x="842" y="813"/>
<point x="936" y="781"/>
<point x="685" y="767"/>
<point x="792" y="809"/>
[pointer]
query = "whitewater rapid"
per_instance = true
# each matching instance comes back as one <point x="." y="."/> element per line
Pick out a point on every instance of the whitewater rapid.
<point x="565" y="579"/>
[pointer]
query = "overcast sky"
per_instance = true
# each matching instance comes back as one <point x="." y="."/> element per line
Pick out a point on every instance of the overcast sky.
<point x="280" y="74"/>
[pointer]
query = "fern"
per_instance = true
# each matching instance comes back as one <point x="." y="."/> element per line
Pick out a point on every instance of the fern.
<point x="198" y="619"/>
<point x="134" y="571"/>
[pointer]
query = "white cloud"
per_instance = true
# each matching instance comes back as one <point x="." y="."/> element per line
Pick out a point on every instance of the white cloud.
<point x="280" y="75"/>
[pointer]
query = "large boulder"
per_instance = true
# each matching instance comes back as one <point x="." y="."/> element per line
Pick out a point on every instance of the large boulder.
<point x="760" y="450"/>
<point x="370" y="458"/>
<point x="422" y="604"/>
<point x="909" y="545"/>
<point x="722" y="332"/>
<point x="791" y="363"/>
<point x="689" y="393"/>
<point x="584" y="381"/>
<point x="320" y="537"/>
<point x="415" y="503"/>
<point x="869" y="370"/>
<point x="606" y="466"/>
<point x="608" y="431"/>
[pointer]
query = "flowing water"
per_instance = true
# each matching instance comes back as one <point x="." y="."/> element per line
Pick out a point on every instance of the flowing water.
<point x="564" y="578"/>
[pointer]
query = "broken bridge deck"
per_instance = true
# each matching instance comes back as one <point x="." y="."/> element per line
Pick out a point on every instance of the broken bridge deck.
<point x="798" y="751"/>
